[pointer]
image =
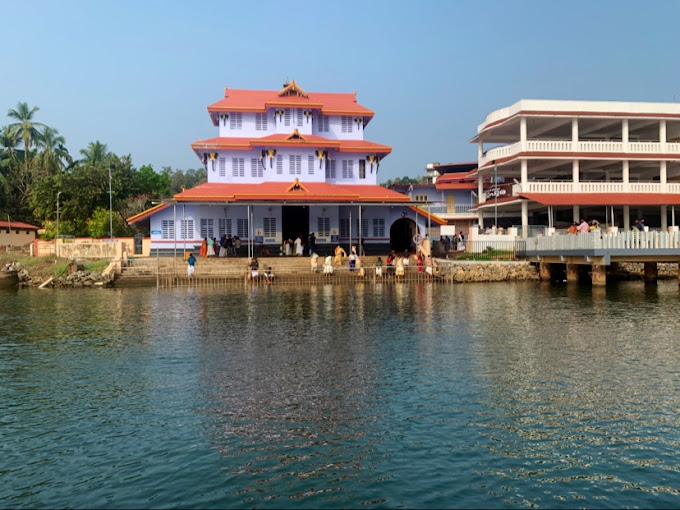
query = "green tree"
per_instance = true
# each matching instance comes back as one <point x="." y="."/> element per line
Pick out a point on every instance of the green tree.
<point x="98" y="223"/>
<point x="95" y="153"/>
<point x="53" y="154"/>
<point x="26" y="125"/>
<point x="147" y="181"/>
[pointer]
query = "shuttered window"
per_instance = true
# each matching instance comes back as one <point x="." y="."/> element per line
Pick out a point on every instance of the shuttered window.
<point x="207" y="228"/>
<point x="286" y="117"/>
<point x="225" y="226"/>
<point x="347" y="169"/>
<point x="236" y="121"/>
<point x="242" y="228"/>
<point x="346" y="124"/>
<point x="310" y="164"/>
<point x="223" y="167"/>
<point x="362" y="169"/>
<point x="323" y="124"/>
<point x="167" y="229"/>
<point x="295" y="165"/>
<point x="269" y="225"/>
<point x="330" y="169"/>
<point x="256" y="168"/>
<point x="344" y="227"/>
<point x="324" y="227"/>
<point x="187" y="229"/>
<point x="279" y="164"/>
<point x="238" y="167"/>
<point x="261" y="122"/>
<point x="364" y="227"/>
<point x="378" y="227"/>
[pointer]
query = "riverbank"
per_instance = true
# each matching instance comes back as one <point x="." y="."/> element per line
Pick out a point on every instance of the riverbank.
<point x="54" y="271"/>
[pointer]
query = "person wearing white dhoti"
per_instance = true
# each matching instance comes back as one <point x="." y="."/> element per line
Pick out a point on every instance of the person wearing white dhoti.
<point x="328" y="266"/>
<point x="298" y="246"/>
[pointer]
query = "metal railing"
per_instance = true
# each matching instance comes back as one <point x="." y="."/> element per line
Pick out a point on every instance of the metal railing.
<point x="493" y="250"/>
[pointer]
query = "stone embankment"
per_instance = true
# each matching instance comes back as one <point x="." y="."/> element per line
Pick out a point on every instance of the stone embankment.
<point x="76" y="277"/>
<point x="636" y="270"/>
<point x="462" y="271"/>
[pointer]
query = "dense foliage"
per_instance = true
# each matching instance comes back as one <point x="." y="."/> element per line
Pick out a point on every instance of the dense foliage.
<point x="37" y="171"/>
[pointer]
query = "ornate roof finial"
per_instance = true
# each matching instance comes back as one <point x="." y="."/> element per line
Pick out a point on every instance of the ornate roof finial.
<point x="225" y="91"/>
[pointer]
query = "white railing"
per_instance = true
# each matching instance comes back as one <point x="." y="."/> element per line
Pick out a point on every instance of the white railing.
<point x="443" y="208"/>
<point x="599" y="187"/>
<point x="590" y="146"/>
<point x="594" y="240"/>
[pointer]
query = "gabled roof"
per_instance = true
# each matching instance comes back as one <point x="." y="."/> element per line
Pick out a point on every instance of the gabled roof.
<point x="290" y="193"/>
<point x="292" y="95"/>
<point x="284" y="140"/>
<point x="17" y="224"/>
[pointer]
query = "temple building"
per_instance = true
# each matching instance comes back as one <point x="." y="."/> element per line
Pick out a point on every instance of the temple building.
<point x="554" y="162"/>
<point x="288" y="163"/>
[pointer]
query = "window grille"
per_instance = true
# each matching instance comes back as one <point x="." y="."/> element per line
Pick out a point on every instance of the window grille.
<point x="378" y="227"/>
<point x="225" y="226"/>
<point x="346" y="124"/>
<point x="187" y="229"/>
<point x="238" y="168"/>
<point x="323" y="124"/>
<point x="295" y="165"/>
<point x="324" y="227"/>
<point x="223" y="167"/>
<point x="269" y="227"/>
<point x="310" y="164"/>
<point x="207" y="228"/>
<point x="286" y="117"/>
<point x="167" y="229"/>
<point x="242" y="228"/>
<point x="236" y="121"/>
<point x="279" y="164"/>
<point x="256" y="168"/>
<point x="347" y="169"/>
<point x="330" y="169"/>
<point x="362" y="169"/>
<point x="261" y="122"/>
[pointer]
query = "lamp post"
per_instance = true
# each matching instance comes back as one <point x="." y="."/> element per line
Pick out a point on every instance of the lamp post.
<point x="56" y="242"/>
<point x="495" y="195"/>
<point x="110" y="204"/>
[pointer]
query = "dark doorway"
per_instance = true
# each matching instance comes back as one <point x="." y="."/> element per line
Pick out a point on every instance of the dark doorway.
<point x="295" y="222"/>
<point x="401" y="234"/>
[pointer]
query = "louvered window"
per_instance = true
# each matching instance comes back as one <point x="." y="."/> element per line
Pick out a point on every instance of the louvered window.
<point x="279" y="164"/>
<point x="364" y="227"/>
<point x="223" y="167"/>
<point x="261" y="122"/>
<point x="378" y="227"/>
<point x="347" y="169"/>
<point x="242" y="228"/>
<point x="324" y="227"/>
<point x="295" y="165"/>
<point x="256" y="168"/>
<point x="187" y="229"/>
<point x="225" y="226"/>
<point x="286" y="117"/>
<point x="346" y="124"/>
<point x="323" y="124"/>
<point x="269" y="225"/>
<point x="344" y="227"/>
<point x="300" y="115"/>
<point x="167" y="229"/>
<point x="310" y="164"/>
<point x="207" y="228"/>
<point x="330" y="169"/>
<point x="236" y="121"/>
<point x="238" y="167"/>
<point x="362" y="169"/>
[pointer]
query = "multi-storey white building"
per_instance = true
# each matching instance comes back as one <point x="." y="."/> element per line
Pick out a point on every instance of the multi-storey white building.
<point x="288" y="163"/>
<point x="559" y="161"/>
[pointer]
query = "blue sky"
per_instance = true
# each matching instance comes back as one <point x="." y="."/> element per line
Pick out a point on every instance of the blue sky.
<point x="138" y="75"/>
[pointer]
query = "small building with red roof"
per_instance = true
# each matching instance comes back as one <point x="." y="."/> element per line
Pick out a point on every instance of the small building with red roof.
<point x="288" y="163"/>
<point x="16" y="234"/>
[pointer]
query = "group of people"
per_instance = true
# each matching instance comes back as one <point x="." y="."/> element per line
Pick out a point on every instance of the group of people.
<point x="299" y="245"/>
<point x="226" y="246"/>
<point x="455" y="243"/>
<point x="583" y="227"/>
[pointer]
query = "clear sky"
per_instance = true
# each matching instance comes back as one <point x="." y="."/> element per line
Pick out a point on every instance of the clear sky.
<point x="138" y="75"/>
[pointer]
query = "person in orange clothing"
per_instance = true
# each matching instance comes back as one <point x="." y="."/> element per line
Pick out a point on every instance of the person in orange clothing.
<point x="203" y="252"/>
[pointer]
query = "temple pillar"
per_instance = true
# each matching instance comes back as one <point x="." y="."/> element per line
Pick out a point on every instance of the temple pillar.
<point x="626" y="217"/>
<point x="544" y="271"/>
<point x="664" y="218"/>
<point x="575" y="175"/>
<point x="525" y="218"/>
<point x="572" y="272"/>
<point x="651" y="272"/>
<point x="523" y="133"/>
<point x="576" y="213"/>
<point x="599" y="275"/>
<point x="625" y="172"/>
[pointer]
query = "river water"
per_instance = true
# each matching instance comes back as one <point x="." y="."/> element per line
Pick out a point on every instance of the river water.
<point x="475" y="395"/>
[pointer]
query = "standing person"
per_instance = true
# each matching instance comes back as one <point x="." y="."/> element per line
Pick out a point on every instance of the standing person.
<point x="203" y="251"/>
<point x="461" y="241"/>
<point x="447" y="245"/>
<point x="237" y="245"/>
<point x="339" y="253"/>
<point x="216" y="247"/>
<point x="583" y="227"/>
<point x="352" y="258"/>
<point x="211" y="247"/>
<point x="298" y="246"/>
<point x="230" y="246"/>
<point x="328" y="266"/>
<point x="378" y="268"/>
<point x="254" y="269"/>
<point x="406" y="259"/>
<point x="312" y="243"/>
<point x="288" y="245"/>
<point x="223" y="246"/>
<point x="314" y="261"/>
<point x="428" y="266"/>
<point x="362" y="252"/>
<point x="400" y="267"/>
<point x="191" y="265"/>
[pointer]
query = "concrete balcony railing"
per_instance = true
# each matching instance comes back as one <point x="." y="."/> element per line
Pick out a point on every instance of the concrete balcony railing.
<point x="442" y="208"/>
<point x="580" y="147"/>
<point x="598" y="187"/>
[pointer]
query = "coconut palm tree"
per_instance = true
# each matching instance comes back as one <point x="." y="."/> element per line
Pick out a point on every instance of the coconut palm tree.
<point x="26" y="125"/>
<point x="95" y="152"/>
<point x="53" y="150"/>
<point x="9" y="140"/>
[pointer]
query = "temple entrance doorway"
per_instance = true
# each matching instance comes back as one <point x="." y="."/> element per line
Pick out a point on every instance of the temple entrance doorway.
<point x="401" y="234"/>
<point x="295" y="222"/>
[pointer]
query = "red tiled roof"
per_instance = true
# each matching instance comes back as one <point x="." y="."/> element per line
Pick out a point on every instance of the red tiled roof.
<point x="17" y="224"/>
<point x="284" y="140"/>
<point x="423" y="212"/>
<point x="455" y="185"/>
<point x="603" y="198"/>
<point x="330" y="103"/>
<point x="286" y="191"/>
<point x="147" y="213"/>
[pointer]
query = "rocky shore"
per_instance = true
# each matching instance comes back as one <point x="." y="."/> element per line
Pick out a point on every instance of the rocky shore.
<point x="75" y="277"/>
<point x="462" y="271"/>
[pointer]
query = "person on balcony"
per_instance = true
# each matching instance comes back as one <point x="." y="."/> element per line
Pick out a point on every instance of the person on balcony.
<point x="583" y="227"/>
<point x="594" y="224"/>
<point x="573" y="229"/>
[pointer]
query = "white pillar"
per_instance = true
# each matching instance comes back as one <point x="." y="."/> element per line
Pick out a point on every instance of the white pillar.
<point x="626" y="217"/>
<point x="525" y="218"/>
<point x="523" y="133"/>
<point x="663" y="174"/>
<point x="662" y="135"/>
<point x="624" y="134"/>
<point x="574" y="135"/>
<point x="575" y="171"/>
<point x="576" y="212"/>
<point x="664" y="218"/>
<point x="524" y="174"/>
<point x="480" y="151"/>
<point x="480" y="187"/>
<point x="625" y="174"/>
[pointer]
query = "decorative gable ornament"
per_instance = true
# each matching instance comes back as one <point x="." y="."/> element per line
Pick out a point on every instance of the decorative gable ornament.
<point x="223" y="118"/>
<point x="293" y="88"/>
<point x="359" y="121"/>
<point x="278" y="113"/>
<point x="297" y="186"/>
<point x="295" y="135"/>
<point x="319" y="154"/>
